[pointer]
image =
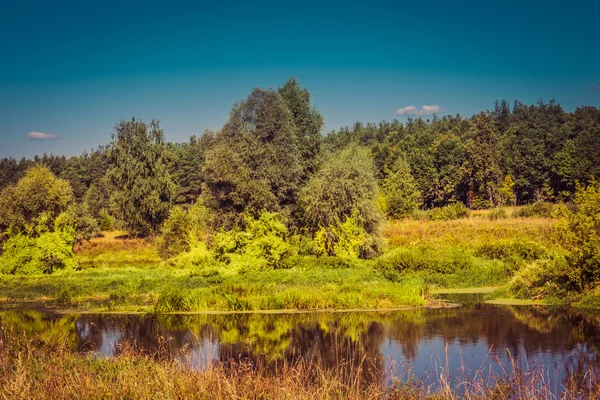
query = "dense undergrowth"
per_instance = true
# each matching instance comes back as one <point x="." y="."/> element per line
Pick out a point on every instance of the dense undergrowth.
<point x="118" y="273"/>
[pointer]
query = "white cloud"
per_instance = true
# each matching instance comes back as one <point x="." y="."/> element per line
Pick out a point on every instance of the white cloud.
<point x="419" y="112"/>
<point x="41" y="136"/>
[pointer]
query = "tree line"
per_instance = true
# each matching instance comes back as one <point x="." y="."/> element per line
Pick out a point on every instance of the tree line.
<point x="272" y="156"/>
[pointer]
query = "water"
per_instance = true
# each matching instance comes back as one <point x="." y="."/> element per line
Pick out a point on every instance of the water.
<point x="478" y="339"/>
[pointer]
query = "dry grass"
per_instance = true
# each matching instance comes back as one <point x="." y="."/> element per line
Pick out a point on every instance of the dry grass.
<point x="31" y="369"/>
<point x="114" y="249"/>
<point x="467" y="231"/>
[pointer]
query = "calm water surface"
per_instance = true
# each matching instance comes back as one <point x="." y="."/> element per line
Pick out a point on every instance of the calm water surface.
<point x="461" y="342"/>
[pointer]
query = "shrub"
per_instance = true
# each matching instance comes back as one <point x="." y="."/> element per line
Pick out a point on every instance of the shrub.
<point x="540" y="279"/>
<point x="348" y="240"/>
<point x="183" y="229"/>
<point x="446" y="213"/>
<point x="539" y="209"/>
<point x="198" y="257"/>
<point x="579" y="232"/>
<point x="175" y="299"/>
<point x="514" y="253"/>
<point x="50" y="251"/>
<point x="339" y="203"/>
<point x="497" y="213"/>
<point x="262" y="243"/>
<point x="400" y="194"/>
<point x="396" y="262"/>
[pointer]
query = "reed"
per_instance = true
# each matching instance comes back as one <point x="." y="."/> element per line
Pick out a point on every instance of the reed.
<point x="30" y="368"/>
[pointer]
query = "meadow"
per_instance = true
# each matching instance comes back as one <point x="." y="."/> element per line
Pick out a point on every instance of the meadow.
<point x="116" y="273"/>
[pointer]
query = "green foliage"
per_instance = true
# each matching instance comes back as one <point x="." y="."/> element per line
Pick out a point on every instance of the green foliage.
<point x="24" y="255"/>
<point x="539" y="209"/>
<point x="178" y="233"/>
<point x="481" y="172"/>
<point x="253" y="162"/>
<point x="515" y="253"/>
<point x="77" y="218"/>
<point x="143" y="186"/>
<point x="347" y="240"/>
<point x="579" y="232"/>
<point x="544" y="278"/>
<point x="401" y="196"/>
<point x="36" y="200"/>
<point x="394" y="264"/>
<point x="507" y="191"/>
<point x="186" y="169"/>
<point x="308" y="124"/>
<point x="262" y="244"/>
<point x="98" y="204"/>
<point x="497" y="213"/>
<point x="446" y="213"/>
<point x="339" y="203"/>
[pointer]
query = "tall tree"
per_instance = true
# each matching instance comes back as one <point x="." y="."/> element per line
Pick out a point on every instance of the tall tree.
<point x="400" y="191"/>
<point x="480" y="171"/>
<point x="187" y="168"/>
<point x="308" y="123"/>
<point x="138" y="171"/>
<point x="344" y="189"/>
<point x="253" y="162"/>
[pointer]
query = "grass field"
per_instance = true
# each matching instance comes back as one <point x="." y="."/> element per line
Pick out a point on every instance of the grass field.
<point x="121" y="274"/>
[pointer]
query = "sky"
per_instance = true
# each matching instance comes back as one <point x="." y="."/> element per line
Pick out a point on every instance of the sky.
<point x="71" y="70"/>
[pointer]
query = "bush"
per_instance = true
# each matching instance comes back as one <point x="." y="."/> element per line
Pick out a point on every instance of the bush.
<point x="544" y="278"/>
<point x="579" y="232"/>
<point x="396" y="262"/>
<point x="347" y="240"/>
<point x="446" y="213"/>
<point x="261" y="244"/>
<point x="183" y="230"/>
<point x="497" y="213"/>
<point x="24" y="255"/>
<point x="539" y="209"/>
<point x="400" y="194"/>
<point x="198" y="257"/>
<point x="339" y="204"/>
<point x="514" y="253"/>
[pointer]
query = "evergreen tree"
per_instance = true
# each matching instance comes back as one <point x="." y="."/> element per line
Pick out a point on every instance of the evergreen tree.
<point x="400" y="192"/>
<point x="253" y="162"/>
<point x="308" y="123"/>
<point x="138" y="171"/>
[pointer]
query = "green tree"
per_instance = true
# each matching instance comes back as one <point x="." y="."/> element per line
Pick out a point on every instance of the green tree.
<point x="187" y="168"/>
<point x="308" y="123"/>
<point x="344" y="187"/>
<point x="33" y="203"/>
<point x="579" y="232"/>
<point x="39" y="231"/>
<point x="253" y="162"/>
<point x="400" y="191"/>
<point x="138" y="171"/>
<point x="480" y="171"/>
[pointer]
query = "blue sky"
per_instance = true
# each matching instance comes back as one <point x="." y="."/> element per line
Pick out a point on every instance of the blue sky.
<point x="72" y="70"/>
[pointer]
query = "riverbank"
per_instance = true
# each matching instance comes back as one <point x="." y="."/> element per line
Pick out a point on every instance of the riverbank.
<point x="117" y="274"/>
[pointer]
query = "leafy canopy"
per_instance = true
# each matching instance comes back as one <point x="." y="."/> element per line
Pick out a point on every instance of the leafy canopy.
<point x="138" y="171"/>
<point x="253" y="162"/>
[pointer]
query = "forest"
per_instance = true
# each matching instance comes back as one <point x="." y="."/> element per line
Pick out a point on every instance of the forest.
<point x="271" y="192"/>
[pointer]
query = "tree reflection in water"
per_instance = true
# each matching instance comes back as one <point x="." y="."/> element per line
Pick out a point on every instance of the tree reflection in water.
<point x="564" y="343"/>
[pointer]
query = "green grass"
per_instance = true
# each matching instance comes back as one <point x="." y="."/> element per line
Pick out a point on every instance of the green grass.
<point x="140" y="287"/>
<point x="121" y="274"/>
